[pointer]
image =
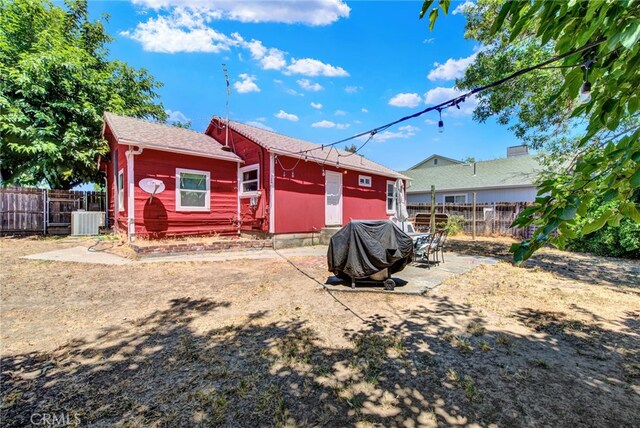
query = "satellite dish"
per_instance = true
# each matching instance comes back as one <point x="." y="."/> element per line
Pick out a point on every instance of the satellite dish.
<point x="152" y="186"/>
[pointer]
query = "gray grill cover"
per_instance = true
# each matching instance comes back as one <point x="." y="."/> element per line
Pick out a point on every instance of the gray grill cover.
<point x="363" y="248"/>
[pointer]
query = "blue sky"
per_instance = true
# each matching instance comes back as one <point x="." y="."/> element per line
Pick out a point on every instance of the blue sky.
<point x="319" y="70"/>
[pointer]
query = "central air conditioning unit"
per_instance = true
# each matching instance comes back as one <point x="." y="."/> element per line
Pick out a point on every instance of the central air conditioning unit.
<point x="86" y="222"/>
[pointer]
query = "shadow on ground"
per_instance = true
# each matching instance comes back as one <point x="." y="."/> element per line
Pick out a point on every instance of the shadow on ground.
<point x="157" y="372"/>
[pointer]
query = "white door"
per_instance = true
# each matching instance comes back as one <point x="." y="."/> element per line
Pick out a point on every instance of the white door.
<point x="333" y="199"/>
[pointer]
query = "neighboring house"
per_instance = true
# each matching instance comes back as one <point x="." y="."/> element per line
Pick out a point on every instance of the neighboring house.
<point x="509" y="179"/>
<point x="435" y="160"/>
<point x="198" y="175"/>
<point x="259" y="182"/>
<point x="295" y="195"/>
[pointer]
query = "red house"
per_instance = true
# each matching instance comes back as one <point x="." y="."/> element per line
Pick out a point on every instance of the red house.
<point x="168" y="181"/>
<point x="198" y="193"/>
<point x="293" y="189"/>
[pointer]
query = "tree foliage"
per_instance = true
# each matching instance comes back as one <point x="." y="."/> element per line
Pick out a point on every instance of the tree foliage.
<point x="55" y="84"/>
<point x="593" y="148"/>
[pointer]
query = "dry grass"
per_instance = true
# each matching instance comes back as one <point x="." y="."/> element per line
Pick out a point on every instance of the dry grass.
<point x="255" y="343"/>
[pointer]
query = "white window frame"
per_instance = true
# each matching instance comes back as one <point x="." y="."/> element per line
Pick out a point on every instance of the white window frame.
<point x="241" y="171"/>
<point x="444" y="198"/>
<point x="207" y="199"/>
<point x="364" y="181"/>
<point x="386" y="198"/>
<point x="120" y="190"/>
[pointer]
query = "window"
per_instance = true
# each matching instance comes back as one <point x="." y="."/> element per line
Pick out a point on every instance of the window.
<point x="391" y="200"/>
<point x="455" y="199"/>
<point x="435" y="161"/>
<point x="192" y="190"/>
<point x="121" y="190"/>
<point x="249" y="180"/>
<point x="364" y="180"/>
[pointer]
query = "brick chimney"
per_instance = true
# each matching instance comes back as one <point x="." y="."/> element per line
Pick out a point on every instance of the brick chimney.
<point x="517" y="150"/>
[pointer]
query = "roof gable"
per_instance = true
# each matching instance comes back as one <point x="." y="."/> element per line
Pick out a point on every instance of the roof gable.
<point x="289" y="146"/>
<point x="440" y="161"/>
<point x="158" y="136"/>
<point x="504" y="172"/>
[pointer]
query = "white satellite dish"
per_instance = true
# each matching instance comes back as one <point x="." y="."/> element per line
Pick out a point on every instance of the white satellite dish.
<point x="152" y="186"/>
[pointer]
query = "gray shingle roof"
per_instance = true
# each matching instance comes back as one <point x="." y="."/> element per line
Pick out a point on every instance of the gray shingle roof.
<point x="290" y="146"/>
<point x="152" y="135"/>
<point x="505" y="172"/>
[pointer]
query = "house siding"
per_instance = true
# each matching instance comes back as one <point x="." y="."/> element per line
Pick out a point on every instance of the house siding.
<point x="519" y="194"/>
<point x="117" y="219"/>
<point x="158" y="218"/>
<point x="300" y="196"/>
<point x="254" y="218"/>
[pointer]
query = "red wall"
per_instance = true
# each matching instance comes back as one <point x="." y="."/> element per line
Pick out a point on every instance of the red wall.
<point x="253" y="218"/>
<point x="116" y="218"/>
<point x="300" y="199"/>
<point x="159" y="218"/>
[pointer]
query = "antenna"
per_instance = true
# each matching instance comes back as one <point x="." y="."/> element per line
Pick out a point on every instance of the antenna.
<point x="226" y="77"/>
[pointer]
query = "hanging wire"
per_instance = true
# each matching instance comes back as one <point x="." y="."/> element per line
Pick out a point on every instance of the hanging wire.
<point x="454" y="102"/>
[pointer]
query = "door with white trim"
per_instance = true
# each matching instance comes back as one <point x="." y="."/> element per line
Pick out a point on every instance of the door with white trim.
<point x="333" y="198"/>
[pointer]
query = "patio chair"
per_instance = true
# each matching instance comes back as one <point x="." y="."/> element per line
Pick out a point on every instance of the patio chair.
<point x="441" y="244"/>
<point x="426" y="246"/>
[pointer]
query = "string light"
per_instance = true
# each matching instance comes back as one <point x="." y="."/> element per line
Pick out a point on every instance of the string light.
<point x="585" y="90"/>
<point x="457" y="100"/>
<point x="440" y="122"/>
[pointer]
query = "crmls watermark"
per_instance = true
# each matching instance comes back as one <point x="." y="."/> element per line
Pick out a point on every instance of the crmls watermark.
<point x="61" y="419"/>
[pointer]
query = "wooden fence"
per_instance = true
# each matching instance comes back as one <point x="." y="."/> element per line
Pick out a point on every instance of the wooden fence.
<point x="27" y="210"/>
<point x="490" y="219"/>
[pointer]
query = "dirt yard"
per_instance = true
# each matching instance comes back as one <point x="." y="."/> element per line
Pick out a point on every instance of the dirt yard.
<point x="258" y="343"/>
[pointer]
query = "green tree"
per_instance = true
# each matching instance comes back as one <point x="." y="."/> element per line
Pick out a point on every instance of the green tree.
<point x="593" y="146"/>
<point x="352" y="148"/>
<point x="55" y="84"/>
<point x="178" y="124"/>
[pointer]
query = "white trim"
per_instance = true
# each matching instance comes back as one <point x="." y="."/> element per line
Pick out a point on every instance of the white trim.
<point x="131" y="191"/>
<point x="444" y="196"/>
<point x="124" y="141"/>
<point x="327" y="175"/>
<point x="272" y="193"/>
<point x="207" y="200"/>
<point x="364" y="177"/>
<point x="120" y="204"/>
<point x="241" y="192"/>
<point x="386" y="198"/>
<point x="239" y="216"/>
<point x="471" y="189"/>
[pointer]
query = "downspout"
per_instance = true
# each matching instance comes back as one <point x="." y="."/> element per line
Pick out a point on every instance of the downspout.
<point x="131" y="220"/>
<point x="239" y="214"/>
<point x="272" y="196"/>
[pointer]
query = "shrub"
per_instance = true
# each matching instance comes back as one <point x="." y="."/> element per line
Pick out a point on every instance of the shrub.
<point x="455" y="224"/>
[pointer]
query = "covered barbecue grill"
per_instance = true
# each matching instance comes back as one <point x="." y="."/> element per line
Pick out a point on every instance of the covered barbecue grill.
<point x="369" y="251"/>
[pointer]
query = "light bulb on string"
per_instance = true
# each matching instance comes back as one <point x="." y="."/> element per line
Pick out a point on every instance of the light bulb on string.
<point x="585" y="90"/>
<point x="440" y="122"/>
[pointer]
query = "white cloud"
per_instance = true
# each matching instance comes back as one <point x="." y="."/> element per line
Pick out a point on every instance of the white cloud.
<point x="329" y="124"/>
<point x="259" y="125"/>
<point x="179" y="32"/>
<point x="352" y="89"/>
<point x="405" y="100"/>
<point x="293" y="92"/>
<point x="317" y="106"/>
<point x="364" y="110"/>
<point x="314" y="12"/>
<point x="307" y="85"/>
<point x="261" y="119"/>
<point x="461" y="8"/>
<point x="451" y="69"/>
<point x="409" y="129"/>
<point x="428" y="41"/>
<point x="430" y="122"/>
<point x="287" y="116"/>
<point x="442" y="94"/>
<point x="278" y="81"/>
<point x="274" y="60"/>
<point x="314" y="67"/>
<point x="406" y="131"/>
<point x="340" y="113"/>
<point x="247" y="84"/>
<point x="324" y="124"/>
<point x="176" y="116"/>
